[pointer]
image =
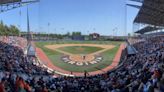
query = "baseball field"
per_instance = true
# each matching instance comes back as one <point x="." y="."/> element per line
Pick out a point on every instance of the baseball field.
<point x="79" y="56"/>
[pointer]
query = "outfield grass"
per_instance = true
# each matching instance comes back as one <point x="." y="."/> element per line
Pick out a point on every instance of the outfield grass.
<point x="55" y="56"/>
<point x="77" y="42"/>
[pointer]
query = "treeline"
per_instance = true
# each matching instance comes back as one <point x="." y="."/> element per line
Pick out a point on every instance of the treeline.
<point x="8" y="30"/>
<point x="76" y="34"/>
<point x="51" y="36"/>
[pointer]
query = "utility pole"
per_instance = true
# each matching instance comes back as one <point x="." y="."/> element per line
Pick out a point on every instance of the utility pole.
<point x="29" y="37"/>
<point x="48" y="30"/>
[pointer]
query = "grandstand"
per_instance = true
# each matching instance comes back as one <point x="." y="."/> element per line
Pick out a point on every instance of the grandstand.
<point x="139" y="69"/>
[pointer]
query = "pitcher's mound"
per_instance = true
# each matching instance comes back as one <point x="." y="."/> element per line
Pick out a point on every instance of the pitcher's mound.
<point x="81" y="58"/>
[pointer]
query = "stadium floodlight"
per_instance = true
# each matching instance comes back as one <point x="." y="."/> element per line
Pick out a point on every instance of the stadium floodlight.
<point x="6" y="5"/>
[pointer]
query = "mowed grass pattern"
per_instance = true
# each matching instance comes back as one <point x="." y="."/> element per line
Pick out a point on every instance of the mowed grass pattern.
<point x="55" y="57"/>
<point x="80" y="49"/>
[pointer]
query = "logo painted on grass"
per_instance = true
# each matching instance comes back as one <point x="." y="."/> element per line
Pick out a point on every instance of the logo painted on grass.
<point x="81" y="60"/>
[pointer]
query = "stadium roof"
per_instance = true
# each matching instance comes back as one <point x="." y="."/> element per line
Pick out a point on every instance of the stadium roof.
<point x="7" y="5"/>
<point x="147" y="29"/>
<point x="8" y="1"/>
<point x="151" y="12"/>
<point x="140" y="1"/>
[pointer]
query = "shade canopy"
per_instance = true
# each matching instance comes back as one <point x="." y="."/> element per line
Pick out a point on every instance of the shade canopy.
<point x="147" y="29"/>
<point x="151" y="12"/>
<point x="8" y="1"/>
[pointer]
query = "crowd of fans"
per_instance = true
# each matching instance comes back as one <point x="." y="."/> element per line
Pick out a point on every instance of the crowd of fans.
<point x="142" y="72"/>
<point x="134" y="40"/>
<point x="13" y="59"/>
<point x="15" y="41"/>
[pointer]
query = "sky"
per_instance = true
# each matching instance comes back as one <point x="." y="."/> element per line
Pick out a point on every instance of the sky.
<point x="107" y="17"/>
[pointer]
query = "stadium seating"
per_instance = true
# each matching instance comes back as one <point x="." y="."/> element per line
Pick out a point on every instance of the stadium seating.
<point x="142" y="72"/>
<point x="13" y="60"/>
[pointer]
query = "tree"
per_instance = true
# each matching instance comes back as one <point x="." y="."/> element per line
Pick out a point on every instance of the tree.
<point x="129" y="35"/>
<point x="76" y="33"/>
<point x="68" y="34"/>
<point x="14" y="30"/>
<point x="8" y="30"/>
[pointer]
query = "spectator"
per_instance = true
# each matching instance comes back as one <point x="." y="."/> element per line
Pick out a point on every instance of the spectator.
<point x="2" y="85"/>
